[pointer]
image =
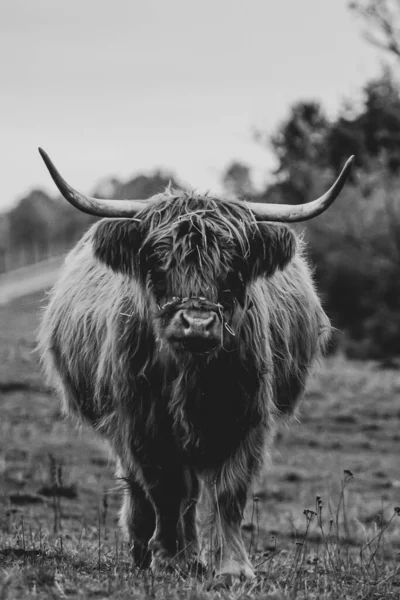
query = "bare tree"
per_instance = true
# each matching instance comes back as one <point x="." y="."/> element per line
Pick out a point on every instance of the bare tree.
<point x="383" y="20"/>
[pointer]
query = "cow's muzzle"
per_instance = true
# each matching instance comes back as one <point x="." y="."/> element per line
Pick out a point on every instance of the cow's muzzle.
<point x="196" y="331"/>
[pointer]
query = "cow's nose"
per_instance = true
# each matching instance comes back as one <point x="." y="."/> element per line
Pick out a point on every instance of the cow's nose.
<point x="196" y="323"/>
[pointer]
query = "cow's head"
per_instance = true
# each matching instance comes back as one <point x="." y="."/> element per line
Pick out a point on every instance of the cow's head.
<point x="195" y="256"/>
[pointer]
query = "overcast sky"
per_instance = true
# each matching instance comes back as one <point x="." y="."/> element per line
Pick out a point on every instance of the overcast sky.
<point x="114" y="88"/>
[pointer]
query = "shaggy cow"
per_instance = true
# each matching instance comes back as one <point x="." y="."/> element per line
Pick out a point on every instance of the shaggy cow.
<point x="181" y="333"/>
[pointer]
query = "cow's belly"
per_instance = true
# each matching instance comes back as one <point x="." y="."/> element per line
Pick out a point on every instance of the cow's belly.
<point x="203" y="444"/>
<point x="208" y="445"/>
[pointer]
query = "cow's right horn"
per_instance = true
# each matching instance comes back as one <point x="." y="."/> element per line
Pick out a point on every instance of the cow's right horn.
<point x="286" y="213"/>
<point x="87" y="204"/>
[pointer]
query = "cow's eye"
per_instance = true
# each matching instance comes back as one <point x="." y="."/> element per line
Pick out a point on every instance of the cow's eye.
<point x="226" y="298"/>
<point x="237" y="288"/>
<point x="157" y="285"/>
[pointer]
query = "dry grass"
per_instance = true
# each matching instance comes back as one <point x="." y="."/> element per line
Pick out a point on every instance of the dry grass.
<point x="322" y="525"/>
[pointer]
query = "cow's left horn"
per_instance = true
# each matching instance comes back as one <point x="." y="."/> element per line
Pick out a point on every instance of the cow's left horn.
<point x="301" y="212"/>
<point x="87" y="204"/>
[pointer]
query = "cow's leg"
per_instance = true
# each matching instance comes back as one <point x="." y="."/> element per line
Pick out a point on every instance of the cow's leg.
<point x="229" y="501"/>
<point x="190" y="540"/>
<point x="169" y="490"/>
<point x="137" y="519"/>
<point x="228" y="487"/>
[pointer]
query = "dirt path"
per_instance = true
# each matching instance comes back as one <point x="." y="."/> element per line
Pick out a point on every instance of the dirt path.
<point x="29" y="280"/>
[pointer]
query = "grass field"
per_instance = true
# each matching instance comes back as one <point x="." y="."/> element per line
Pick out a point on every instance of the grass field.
<point x="59" y="500"/>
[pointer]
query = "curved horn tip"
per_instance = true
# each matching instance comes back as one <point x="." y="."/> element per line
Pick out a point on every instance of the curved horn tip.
<point x="349" y="163"/>
<point x="348" y="166"/>
<point x="43" y="154"/>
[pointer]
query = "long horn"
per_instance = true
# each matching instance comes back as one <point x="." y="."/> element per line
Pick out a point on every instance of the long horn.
<point x="301" y="212"/>
<point x="87" y="204"/>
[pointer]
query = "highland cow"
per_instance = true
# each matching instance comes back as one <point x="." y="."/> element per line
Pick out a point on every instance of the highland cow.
<point x="181" y="330"/>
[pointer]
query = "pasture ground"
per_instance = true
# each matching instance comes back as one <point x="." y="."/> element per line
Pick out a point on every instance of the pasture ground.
<point x="59" y="500"/>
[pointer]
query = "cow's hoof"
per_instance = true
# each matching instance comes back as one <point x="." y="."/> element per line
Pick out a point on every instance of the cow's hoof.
<point x="224" y="581"/>
<point x="196" y="567"/>
<point x="162" y="564"/>
<point x="232" y="570"/>
<point x="216" y="584"/>
<point x="141" y="555"/>
<point x="162" y="561"/>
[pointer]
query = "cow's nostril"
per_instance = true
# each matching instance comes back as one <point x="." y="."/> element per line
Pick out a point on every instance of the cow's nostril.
<point x="208" y="323"/>
<point x="185" y="320"/>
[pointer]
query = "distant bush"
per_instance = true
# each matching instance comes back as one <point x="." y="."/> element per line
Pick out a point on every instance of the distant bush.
<point x="356" y="249"/>
<point x="355" y="245"/>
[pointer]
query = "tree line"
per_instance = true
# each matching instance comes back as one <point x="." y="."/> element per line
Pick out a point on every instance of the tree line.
<point x="42" y="226"/>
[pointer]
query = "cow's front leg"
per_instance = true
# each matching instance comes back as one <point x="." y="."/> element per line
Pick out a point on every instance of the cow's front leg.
<point x="228" y="487"/>
<point x="231" y="557"/>
<point x="137" y="519"/>
<point x="168" y="489"/>
<point x="190" y="541"/>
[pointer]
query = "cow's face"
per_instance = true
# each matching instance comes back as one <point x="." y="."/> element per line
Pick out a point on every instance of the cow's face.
<point x="195" y="257"/>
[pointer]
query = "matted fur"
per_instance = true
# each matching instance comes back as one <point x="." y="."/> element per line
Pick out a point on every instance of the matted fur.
<point x="174" y="420"/>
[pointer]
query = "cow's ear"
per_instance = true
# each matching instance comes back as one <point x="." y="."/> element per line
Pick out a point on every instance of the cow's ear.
<point x="272" y="247"/>
<point x="116" y="242"/>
